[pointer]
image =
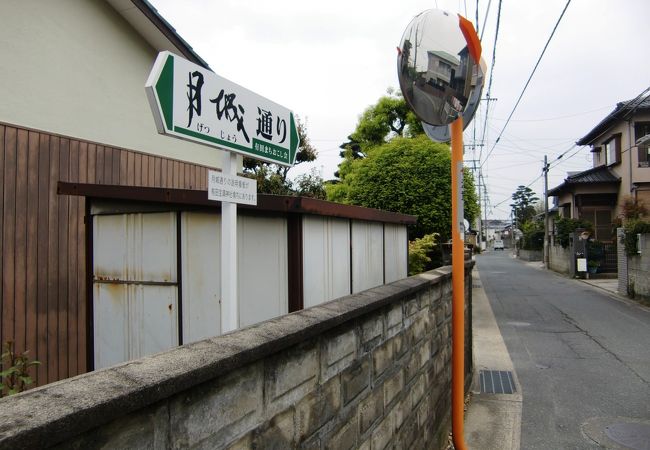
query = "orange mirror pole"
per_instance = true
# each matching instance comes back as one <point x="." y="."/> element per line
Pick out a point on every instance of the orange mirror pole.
<point x="458" y="288"/>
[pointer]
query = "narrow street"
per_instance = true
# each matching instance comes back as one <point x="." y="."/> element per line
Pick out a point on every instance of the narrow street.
<point x="581" y="356"/>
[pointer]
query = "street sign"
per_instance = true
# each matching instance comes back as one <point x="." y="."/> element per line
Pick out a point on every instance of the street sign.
<point x="231" y="188"/>
<point x="193" y="103"/>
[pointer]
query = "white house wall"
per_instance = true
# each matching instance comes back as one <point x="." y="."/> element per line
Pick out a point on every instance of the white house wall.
<point x="79" y="70"/>
<point x="326" y="259"/>
<point x="367" y="255"/>
<point x="395" y="252"/>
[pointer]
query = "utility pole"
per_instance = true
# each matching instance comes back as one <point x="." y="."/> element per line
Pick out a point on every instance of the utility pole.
<point x="485" y="203"/>
<point x="476" y="170"/>
<point x="478" y="173"/>
<point x="546" y="237"/>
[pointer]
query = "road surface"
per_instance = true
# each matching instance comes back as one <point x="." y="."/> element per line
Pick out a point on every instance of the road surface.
<point x="581" y="356"/>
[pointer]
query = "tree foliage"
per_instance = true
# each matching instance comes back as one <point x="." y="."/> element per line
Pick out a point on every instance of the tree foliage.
<point x="565" y="226"/>
<point x="523" y="205"/>
<point x="407" y="175"/>
<point x="272" y="178"/>
<point x="533" y="235"/>
<point x="310" y="185"/>
<point x="390" y="116"/>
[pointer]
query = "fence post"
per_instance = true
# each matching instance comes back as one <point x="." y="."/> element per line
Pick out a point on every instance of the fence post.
<point x="621" y="261"/>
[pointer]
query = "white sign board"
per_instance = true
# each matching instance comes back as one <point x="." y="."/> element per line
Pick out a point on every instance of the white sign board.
<point x="231" y="188"/>
<point x="582" y="264"/>
<point x="193" y="103"/>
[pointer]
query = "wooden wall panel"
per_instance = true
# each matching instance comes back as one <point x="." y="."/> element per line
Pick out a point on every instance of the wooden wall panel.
<point x="9" y="236"/>
<point x="53" y="261"/>
<point x="42" y="238"/>
<point x="2" y="189"/>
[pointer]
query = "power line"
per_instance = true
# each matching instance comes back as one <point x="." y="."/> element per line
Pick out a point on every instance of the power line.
<point x="528" y="81"/>
<point x="489" y="89"/>
<point x="487" y="13"/>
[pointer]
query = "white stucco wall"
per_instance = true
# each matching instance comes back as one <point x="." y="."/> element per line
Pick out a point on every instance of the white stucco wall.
<point x="77" y="68"/>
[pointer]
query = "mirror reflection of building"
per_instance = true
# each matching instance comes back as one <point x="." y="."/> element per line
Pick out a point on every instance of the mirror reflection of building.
<point x="437" y="73"/>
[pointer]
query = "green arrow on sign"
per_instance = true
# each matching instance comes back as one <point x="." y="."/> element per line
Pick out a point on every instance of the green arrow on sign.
<point x="193" y="103"/>
<point x="294" y="141"/>
<point x="164" y="89"/>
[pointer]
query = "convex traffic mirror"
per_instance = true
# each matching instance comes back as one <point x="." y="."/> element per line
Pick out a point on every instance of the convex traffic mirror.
<point x="439" y="71"/>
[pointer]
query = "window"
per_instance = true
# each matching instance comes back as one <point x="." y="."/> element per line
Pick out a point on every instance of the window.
<point x="644" y="155"/>
<point x="613" y="150"/>
<point x="601" y="219"/>
<point x="597" y="156"/>
<point x="642" y="129"/>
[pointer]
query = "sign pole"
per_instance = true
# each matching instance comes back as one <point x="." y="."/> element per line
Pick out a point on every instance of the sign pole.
<point x="229" y="297"/>
<point x="458" y="286"/>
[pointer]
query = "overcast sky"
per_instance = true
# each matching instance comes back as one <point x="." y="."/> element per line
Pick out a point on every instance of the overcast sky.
<point x="329" y="60"/>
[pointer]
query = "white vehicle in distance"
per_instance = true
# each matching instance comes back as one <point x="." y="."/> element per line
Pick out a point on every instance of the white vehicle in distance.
<point x="498" y="244"/>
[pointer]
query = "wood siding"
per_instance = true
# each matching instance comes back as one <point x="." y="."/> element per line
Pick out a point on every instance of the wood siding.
<point x="42" y="240"/>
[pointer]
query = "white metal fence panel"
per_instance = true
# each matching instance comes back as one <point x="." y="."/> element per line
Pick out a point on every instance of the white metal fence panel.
<point x="263" y="268"/>
<point x="367" y="255"/>
<point x="395" y="252"/>
<point x="326" y="259"/>
<point x="201" y="275"/>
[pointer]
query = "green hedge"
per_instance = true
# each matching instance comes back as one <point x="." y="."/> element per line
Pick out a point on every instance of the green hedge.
<point x="566" y="226"/>
<point x="632" y="228"/>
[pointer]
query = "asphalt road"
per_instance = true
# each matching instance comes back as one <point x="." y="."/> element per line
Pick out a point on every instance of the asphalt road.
<point x="582" y="357"/>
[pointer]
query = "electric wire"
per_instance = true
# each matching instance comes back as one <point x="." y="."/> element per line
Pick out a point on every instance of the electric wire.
<point x="489" y="89"/>
<point x="487" y="13"/>
<point x="529" y="79"/>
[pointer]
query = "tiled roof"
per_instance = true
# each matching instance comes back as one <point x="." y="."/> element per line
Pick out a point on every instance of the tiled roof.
<point x="620" y="112"/>
<point x="600" y="174"/>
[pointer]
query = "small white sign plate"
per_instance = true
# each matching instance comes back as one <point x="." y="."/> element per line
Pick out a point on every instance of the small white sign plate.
<point x="231" y="188"/>
<point x="582" y="264"/>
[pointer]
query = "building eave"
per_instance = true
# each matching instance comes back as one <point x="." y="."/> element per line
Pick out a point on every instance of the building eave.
<point x="622" y="110"/>
<point x="154" y="29"/>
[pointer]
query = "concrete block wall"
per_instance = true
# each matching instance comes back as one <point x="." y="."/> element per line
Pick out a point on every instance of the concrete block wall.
<point x="559" y="258"/>
<point x="531" y="255"/>
<point x="638" y="270"/>
<point x="369" y="371"/>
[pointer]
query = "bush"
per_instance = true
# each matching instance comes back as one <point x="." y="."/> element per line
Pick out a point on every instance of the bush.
<point x="566" y="226"/>
<point x="419" y="250"/>
<point x="632" y="228"/>
<point x="533" y="236"/>
<point x="15" y="377"/>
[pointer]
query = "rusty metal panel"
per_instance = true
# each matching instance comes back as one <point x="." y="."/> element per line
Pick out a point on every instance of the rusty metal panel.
<point x="326" y="259"/>
<point x="132" y="321"/>
<point x="201" y="275"/>
<point x="263" y="268"/>
<point x="367" y="255"/>
<point x="395" y="252"/>
<point x="135" y="292"/>
<point x="135" y="247"/>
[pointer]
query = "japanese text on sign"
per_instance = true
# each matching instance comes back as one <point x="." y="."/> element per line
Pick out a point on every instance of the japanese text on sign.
<point x="231" y="188"/>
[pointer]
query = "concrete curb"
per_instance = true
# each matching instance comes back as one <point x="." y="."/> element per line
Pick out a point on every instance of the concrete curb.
<point x="492" y="421"/>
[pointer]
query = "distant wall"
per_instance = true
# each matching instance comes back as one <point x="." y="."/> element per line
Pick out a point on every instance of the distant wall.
<point x="530" y="255"/>
<point x="368" y="370"/>
<point x="638" y="270"/>
<point x="559" y="259"/>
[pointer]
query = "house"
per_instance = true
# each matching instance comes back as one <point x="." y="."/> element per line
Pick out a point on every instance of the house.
<point x="74" y="113"/>
<point x="73" y="109"/>
<point x="620" y="168"/>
